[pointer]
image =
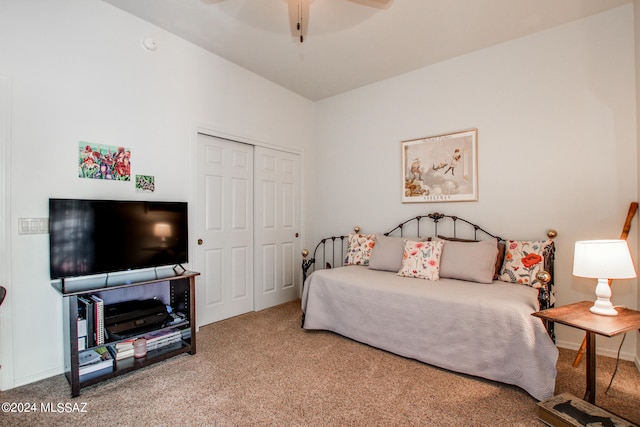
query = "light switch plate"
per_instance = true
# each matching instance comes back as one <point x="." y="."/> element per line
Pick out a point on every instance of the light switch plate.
<point x="33" y="225"/>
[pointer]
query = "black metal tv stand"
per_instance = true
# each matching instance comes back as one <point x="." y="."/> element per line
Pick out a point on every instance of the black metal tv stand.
<point x="177" y="290"/>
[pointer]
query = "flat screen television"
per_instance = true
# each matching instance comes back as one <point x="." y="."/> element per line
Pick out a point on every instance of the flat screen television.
<point x="88" y="237"/>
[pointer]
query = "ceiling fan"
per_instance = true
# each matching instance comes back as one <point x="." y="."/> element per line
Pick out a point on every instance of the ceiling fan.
<point x="299" y="14"/>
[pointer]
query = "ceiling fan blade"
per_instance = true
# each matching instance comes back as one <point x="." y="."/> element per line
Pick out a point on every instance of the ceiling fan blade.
<point x="379" y="4"/>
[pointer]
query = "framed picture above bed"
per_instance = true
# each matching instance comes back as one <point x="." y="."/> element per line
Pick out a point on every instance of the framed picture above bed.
<point x="442" y="168"/>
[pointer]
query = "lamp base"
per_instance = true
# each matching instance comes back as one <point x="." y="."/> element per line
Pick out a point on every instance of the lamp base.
<point x="604" y="308"/>
<point x="603" y="304"/>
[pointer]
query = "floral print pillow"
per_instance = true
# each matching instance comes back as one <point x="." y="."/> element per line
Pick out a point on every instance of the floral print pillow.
<point x="421" y="259"/>
<point x="359" y="248"/>
<point x="522" y="261"/>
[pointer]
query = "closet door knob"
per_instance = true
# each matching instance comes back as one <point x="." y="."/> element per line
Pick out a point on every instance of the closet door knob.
<point x="200" y="242"/>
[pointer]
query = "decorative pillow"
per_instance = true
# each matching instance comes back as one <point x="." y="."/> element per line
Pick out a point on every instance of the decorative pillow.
<point x="359" y="248"/>
<point x="499" y="258"/>
<point x="387" y="253"/>
<point x="522" y="261"/>
<point x="472" y="261"/>
<point x="421" y="259"/>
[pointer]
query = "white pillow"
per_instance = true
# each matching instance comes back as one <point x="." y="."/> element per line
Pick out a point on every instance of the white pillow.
<point x="359" y="249"/>
<point x="421" y="259"/>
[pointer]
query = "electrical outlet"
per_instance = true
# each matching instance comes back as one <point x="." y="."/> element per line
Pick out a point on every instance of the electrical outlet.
<point x="33" y="225"/>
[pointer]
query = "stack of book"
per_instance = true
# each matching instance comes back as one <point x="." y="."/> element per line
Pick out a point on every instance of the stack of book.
<point x="82" y="331"/>
<point x="123" y="349"/>
<point x="94" y="363"/>
<point x="159" y="339"/>
<point x="91" y="310"/>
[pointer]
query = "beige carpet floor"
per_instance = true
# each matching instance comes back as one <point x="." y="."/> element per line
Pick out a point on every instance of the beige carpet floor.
<point x="262" y="369"/>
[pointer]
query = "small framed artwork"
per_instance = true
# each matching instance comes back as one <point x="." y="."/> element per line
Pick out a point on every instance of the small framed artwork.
<point x="145" y="184"/>
<point x="442" y="168"/>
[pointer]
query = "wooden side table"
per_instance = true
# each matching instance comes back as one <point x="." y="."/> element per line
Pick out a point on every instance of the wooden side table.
<point x="578" y="316"/>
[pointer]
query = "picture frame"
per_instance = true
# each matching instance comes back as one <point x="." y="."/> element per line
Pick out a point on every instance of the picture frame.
<point x="441" y="168"/>
<point x="100" y="161"/>
<point x="145" y="183"/>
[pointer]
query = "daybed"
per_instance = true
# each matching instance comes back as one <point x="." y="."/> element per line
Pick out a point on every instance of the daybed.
<point x="469" y="313"/>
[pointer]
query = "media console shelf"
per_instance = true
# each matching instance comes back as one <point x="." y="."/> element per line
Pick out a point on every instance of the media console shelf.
<point x="174" y="289"/>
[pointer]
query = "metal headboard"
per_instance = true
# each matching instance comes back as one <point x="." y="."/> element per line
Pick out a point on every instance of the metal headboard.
<point x="330" y="251"/>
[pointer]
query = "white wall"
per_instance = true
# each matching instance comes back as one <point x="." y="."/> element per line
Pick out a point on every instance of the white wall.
<point x="555" y="111"/>
<point x="78" y="72"/>
<point x="556" y="115"/>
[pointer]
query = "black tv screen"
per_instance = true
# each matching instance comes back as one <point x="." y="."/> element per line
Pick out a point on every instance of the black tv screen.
<point x="101" y="236"/>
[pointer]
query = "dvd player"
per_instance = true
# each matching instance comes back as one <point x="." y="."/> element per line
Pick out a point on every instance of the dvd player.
<point x="127" y="316"/>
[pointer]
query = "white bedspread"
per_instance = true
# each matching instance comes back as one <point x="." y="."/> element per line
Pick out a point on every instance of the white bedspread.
<point x="478" y="329"/>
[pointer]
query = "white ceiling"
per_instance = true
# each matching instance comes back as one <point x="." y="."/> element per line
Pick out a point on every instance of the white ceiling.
<point x="352" y="43"/>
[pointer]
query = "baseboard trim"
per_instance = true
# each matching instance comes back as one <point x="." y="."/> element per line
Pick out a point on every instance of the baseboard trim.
<point x="600" y="351"/>
<point x="42" y="375"/>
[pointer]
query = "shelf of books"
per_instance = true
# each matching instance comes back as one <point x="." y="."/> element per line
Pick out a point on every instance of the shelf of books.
<point x="115" y="331"/>
<point x="98" y="363"/>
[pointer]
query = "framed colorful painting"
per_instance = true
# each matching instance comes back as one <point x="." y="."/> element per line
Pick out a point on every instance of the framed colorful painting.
<point x="442" y="168"/>
<point x="99" y="161"/>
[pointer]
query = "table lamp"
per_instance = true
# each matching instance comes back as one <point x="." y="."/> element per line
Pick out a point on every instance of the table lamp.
<point x="603" y="260"/>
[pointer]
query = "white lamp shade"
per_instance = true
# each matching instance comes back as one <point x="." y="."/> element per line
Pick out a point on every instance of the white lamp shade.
<point x="606" y="259"/>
